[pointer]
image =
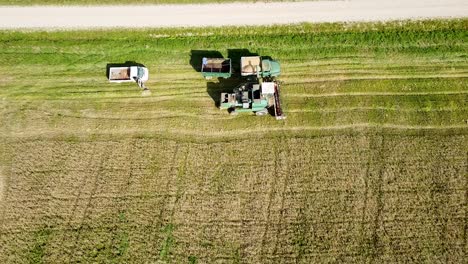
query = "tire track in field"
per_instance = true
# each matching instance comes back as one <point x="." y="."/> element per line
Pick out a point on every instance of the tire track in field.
<point x="158" y="222"/>
<point x="180" y="114"/>
<point x="77" y="198"/>
<point x="120" y="226"/>
<point x="97" y="174"/>
<point x="5" y="168"/>
<point x="465" y="229"/>
<point x="346" y="109"/>
<point x="337" y="127"/>
<point x="271" y="195"/>
<point x="167" y="115"/>
<point x="439" y="198"/>
<point x="203" y="134"/>
<point x="376" y="94"/>
<point x="379" y="66"/>
<point x="313" y="128"/>
<point x="378" y="192"/>
<point x="179" y="172"/>
<point x="352" y="78"/>
<point x="3" y="196"/>
<point x="2" y="183"/>
<point x="283" y="191"/>
<point x="326" y="73"/>
<point x="365" y="195"/>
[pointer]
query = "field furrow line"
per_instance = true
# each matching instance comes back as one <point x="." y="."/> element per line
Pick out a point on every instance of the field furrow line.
<point x="2" y="182"/>
<point x="376" y="94"/>
<point x="283" y="150"/>
<point x="6" y="174"/>
<point x="373" y="65"/>
<point x="237" y="223"/>
<point x="213" y="195"/>
<point x="465" y="229"/>
<point x="3" y="197"/>
<point x="347" y="109"/>
<point x="150" y="117"/>
<point x="226" y="133"/>
<point x="347" y="126"/>
<point x="271" y="196"/>
<point x="337" y="127"/>
<point x="384" y="77"/>
<point x="89" y="202"/>
<point x="366" y="179"/>
<point x="378" y="192"/>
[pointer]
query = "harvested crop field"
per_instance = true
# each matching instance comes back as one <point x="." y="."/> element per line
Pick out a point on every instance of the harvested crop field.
<point x="369" y="166"/>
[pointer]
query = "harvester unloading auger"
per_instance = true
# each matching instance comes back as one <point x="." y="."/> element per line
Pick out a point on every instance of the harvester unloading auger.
<point x="257" y="93"/>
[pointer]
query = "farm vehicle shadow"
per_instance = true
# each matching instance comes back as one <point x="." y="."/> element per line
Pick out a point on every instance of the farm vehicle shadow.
<point x="215" y="87"/>
<point x="196" y="57"/>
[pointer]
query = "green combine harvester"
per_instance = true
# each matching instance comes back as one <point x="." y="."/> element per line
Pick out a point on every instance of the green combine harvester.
<point x="259" y="92"/>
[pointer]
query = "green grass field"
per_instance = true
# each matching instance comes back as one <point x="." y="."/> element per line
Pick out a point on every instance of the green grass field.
<point x="369" y="166"/>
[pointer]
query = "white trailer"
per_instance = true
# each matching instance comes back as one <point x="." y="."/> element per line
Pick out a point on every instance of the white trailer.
<point x="128" y="74"/>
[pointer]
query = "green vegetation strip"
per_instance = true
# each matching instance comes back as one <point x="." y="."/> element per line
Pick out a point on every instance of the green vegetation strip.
<point x="404" y="74"/>
<point x="369" y="166"/>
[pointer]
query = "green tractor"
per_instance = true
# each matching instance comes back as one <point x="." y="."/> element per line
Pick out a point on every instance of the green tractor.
<point x="259" y="67"/>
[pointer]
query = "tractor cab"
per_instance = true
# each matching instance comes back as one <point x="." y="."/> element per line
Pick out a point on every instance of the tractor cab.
<point x="270" y="68"/>
<point x="257" y="66"/>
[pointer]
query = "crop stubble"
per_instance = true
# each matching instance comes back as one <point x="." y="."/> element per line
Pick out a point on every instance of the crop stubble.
<point x="382" y="197"/>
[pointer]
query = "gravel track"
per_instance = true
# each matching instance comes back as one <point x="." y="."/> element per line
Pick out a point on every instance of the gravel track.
<point x="139" y="16"/>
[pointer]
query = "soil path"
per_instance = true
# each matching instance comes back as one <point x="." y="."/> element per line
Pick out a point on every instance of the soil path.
<point x="139" y="16"/>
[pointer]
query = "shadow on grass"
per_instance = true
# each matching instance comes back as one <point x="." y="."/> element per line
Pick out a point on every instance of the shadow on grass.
<point x="196" y="57"/>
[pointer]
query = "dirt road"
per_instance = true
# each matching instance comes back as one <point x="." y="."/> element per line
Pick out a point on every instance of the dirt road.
<point x="228" y="14"/>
